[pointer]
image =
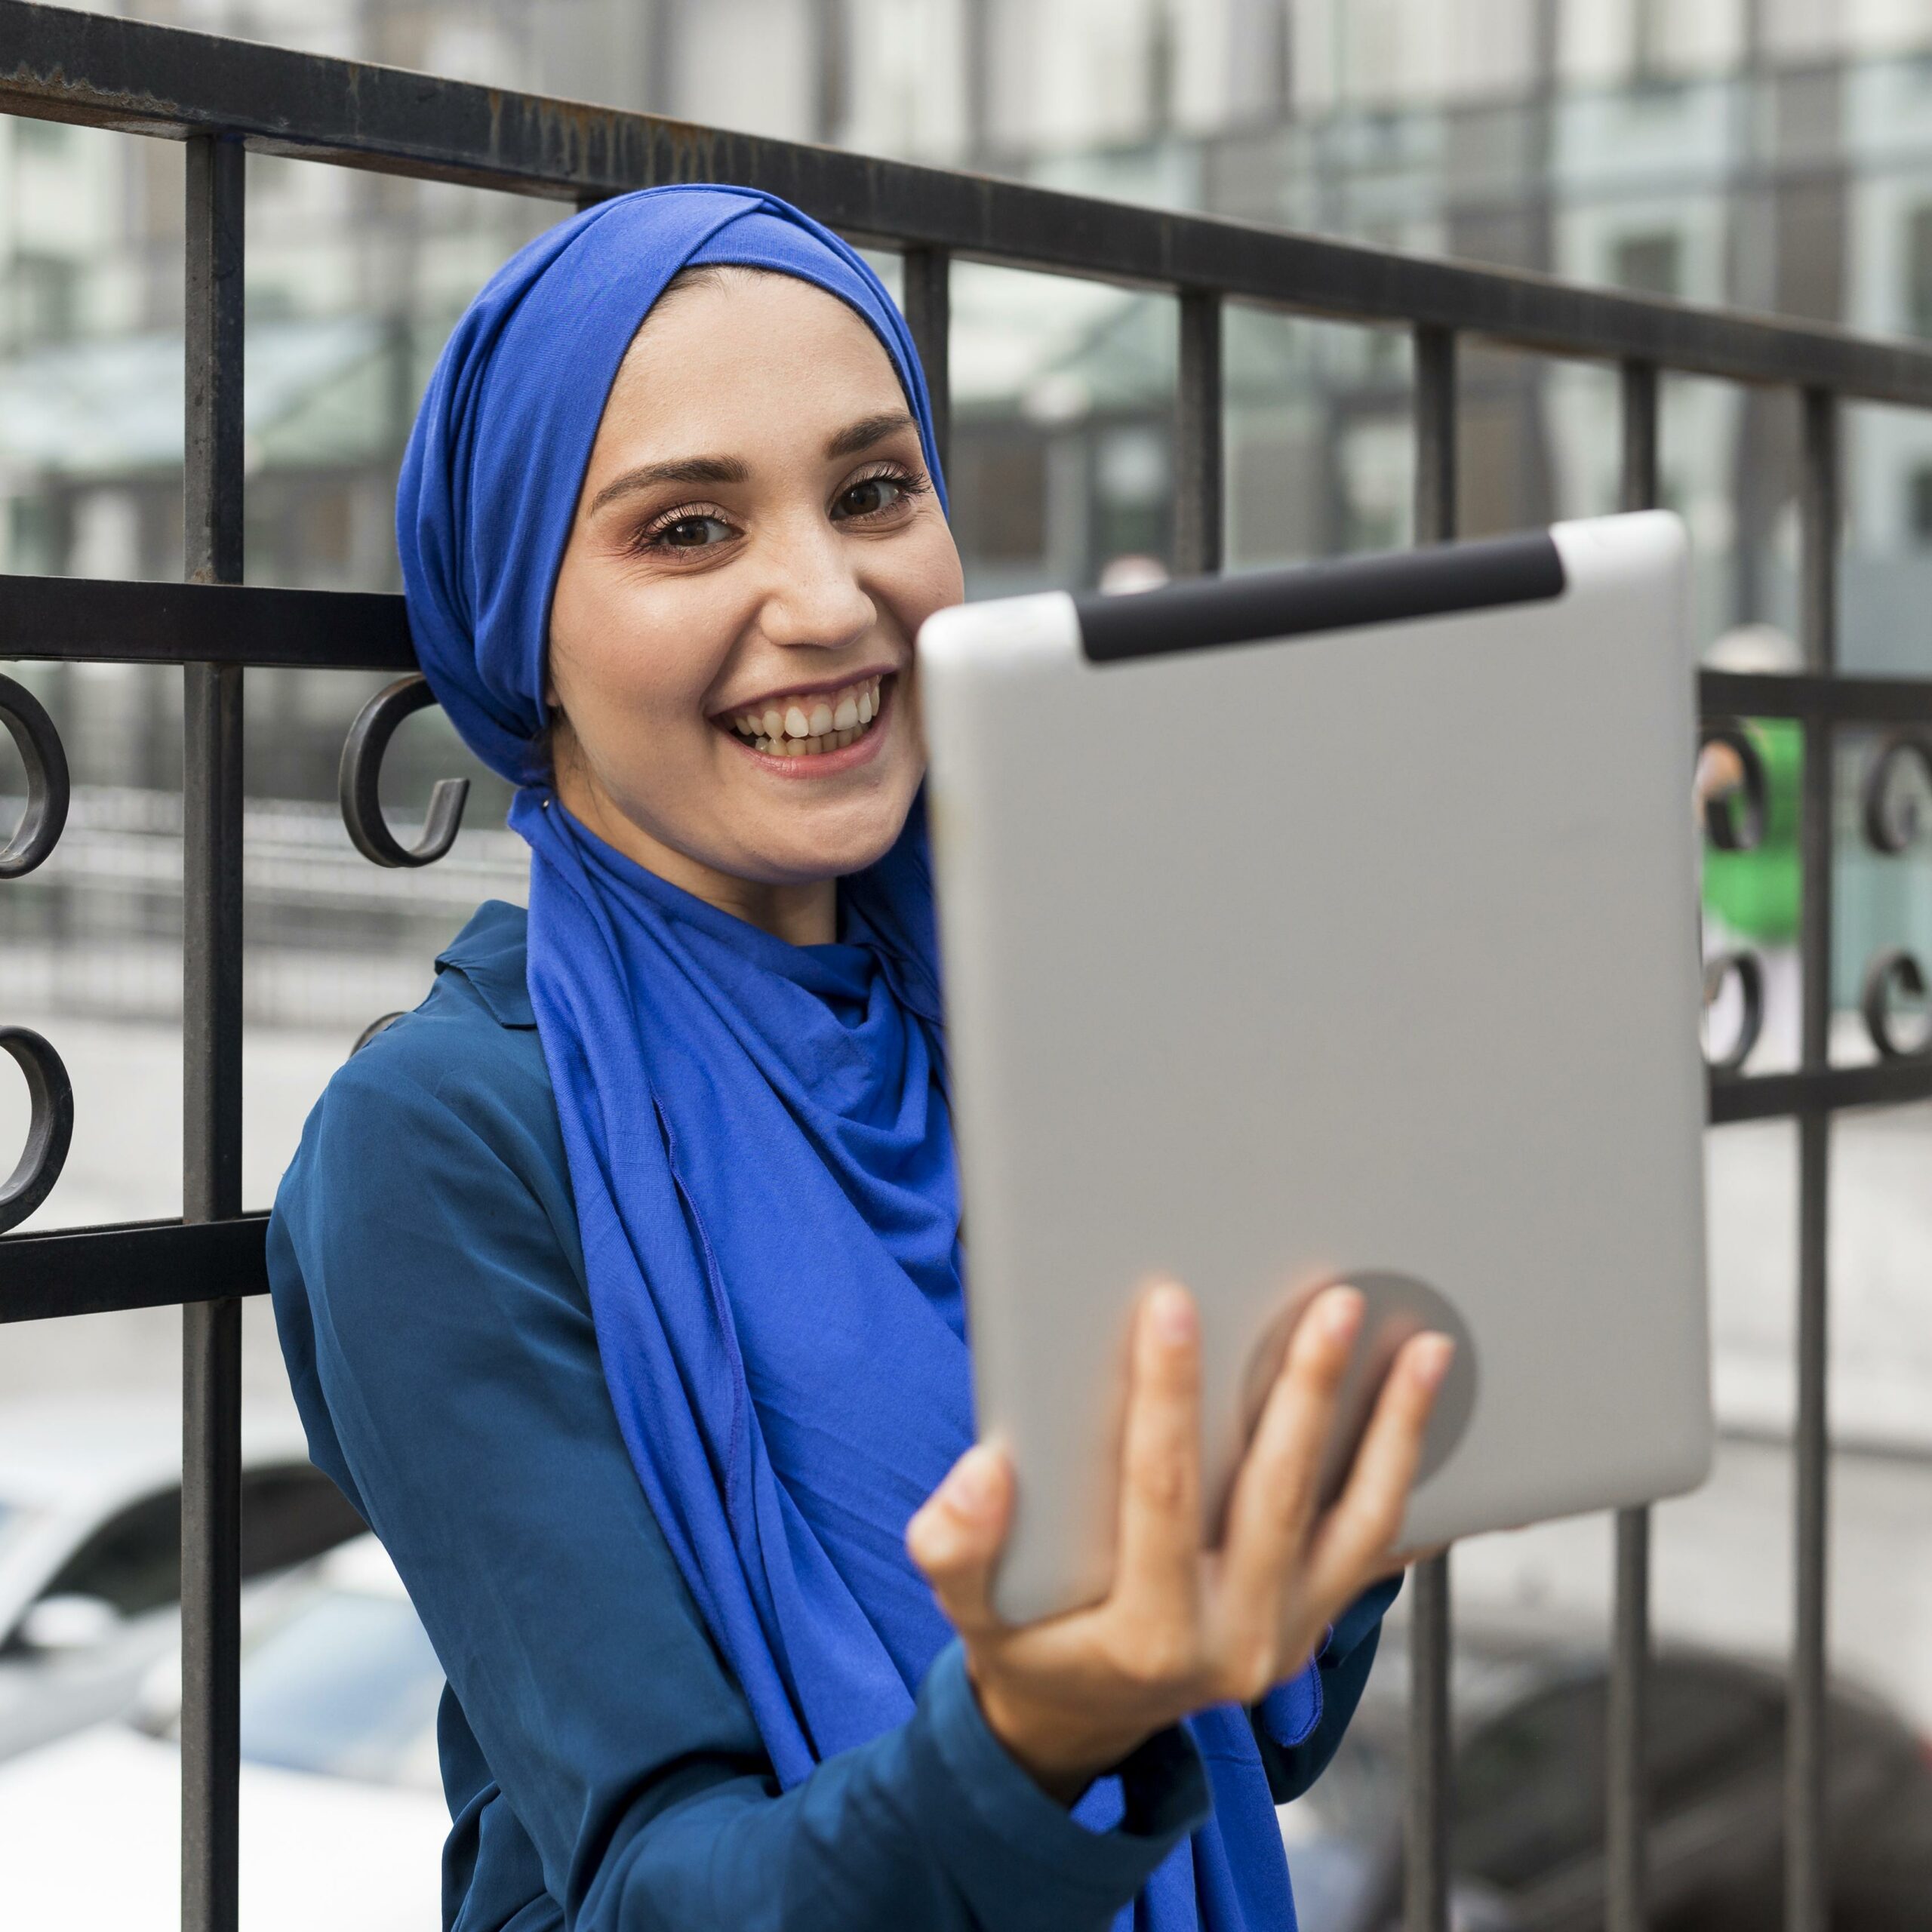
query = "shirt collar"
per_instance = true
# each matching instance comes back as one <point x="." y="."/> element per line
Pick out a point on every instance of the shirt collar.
<point x="490" y="953"/>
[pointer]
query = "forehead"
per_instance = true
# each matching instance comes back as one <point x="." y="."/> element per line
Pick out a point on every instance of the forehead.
<point x="747" y="359"/>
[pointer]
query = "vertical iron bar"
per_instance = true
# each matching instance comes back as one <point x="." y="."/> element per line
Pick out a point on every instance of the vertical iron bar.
<point x="211" y="1050"/>
<point x="927" y="276"/>
<point x="1627" y="1821"/>
<point x="1435" y="433"/>
<point x="1807" y="1873"/>
<point x="1426" y="1820"/>
<point x="1197" y="488"/>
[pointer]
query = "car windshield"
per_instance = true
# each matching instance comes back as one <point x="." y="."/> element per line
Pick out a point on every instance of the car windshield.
<point x="347" y="1687"/>
<point x="13" y="1519"/>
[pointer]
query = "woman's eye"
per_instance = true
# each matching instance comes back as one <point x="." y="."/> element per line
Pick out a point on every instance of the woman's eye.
<point x="692" y="533"/>
<point x="871" y="495"/>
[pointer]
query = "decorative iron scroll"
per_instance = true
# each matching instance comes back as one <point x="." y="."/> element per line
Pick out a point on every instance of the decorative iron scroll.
<point x="50" y="1129"/>
<point x="1749" y="972"/>
<point x="38" y="743"/>
<point x="1892" y="972"/>
<point x="1892" y="820"/>
<point x="1732" y="830"/>
<point x="361" y="772"/>
<point x="1728" y="833"/>
<point x="50" y="1124"/>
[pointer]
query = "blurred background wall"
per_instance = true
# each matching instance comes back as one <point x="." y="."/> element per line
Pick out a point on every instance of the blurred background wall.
<point x="1772" y="154"/>
<point x="1775" y="154"/>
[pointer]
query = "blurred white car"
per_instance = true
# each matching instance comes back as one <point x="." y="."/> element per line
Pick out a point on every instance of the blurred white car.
<point x="343" y="1818"/>
<point x="89" y="1549"/>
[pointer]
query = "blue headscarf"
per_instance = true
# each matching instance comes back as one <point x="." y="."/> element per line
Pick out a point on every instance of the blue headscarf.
<point x="757" y="1133"/>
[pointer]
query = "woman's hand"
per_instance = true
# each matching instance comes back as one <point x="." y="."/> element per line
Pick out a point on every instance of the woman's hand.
<point x="1182" y="1628"/>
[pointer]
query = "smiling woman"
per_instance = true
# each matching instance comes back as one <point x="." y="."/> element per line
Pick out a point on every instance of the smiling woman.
<point x="711" y="654"/>
<point x="621" y="1283"/>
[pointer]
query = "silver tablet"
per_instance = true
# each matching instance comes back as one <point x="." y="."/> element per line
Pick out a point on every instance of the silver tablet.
<point x="1332" y="923"/>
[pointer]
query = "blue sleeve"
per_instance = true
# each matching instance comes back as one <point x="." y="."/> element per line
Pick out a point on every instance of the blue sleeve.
<point x="423" y="1260"/>
<point x="1299" y="1726"/>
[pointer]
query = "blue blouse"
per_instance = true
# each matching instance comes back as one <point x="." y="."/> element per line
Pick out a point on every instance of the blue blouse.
<point x="602" y="1766"/>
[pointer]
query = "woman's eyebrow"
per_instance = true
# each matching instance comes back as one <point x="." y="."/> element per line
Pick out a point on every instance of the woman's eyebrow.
<point x="867" y="431"/>
<point x="684" y="469"/>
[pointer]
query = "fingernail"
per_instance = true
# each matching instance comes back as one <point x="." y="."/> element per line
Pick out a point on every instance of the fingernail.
<point x="1432" y="1357"/>
<point x="1172" y="1313"/>
<point x="1341" y="1310"/>
<point x="973" y="1486"/>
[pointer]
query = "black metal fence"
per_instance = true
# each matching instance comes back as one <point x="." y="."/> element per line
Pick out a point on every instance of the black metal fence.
<point x="225" y="98"/>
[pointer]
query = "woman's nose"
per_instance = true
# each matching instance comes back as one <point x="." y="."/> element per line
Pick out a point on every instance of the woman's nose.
<point x="816" y="598"/>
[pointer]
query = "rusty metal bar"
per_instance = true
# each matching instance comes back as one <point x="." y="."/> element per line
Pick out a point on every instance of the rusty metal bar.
<point x="136" y="1264"/>
<point x="111" y="73"/>
<point x="106" y="621"/>
<point x="1806" y="1852"/>
<point x="211" y="1053"/>
<point x="927" y="283"/>
<point x="1627" y="1818"/>
<point x="1197" y="407"/>
<point x="1427" y="1846"/>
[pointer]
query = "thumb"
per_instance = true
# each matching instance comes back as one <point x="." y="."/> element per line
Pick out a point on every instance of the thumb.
<point x="955" y="1538"/>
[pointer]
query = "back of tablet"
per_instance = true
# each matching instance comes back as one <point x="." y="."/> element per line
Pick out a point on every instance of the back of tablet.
<point x="1338" y="924"/>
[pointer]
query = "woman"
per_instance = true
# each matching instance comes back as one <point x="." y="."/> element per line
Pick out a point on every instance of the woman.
<point x="620" y="1283"/>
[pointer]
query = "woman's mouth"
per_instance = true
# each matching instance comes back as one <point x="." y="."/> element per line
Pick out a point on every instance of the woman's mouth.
<point x="812" y="725"/>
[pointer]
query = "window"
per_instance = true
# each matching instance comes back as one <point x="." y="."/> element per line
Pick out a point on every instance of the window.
<point x="289" y="1513"/>
<point x="348" y="1687"/>
<point x="1648" y="264"/>
<point x="47" y="137"/>
<point x="1650" y="38"/>
<point x="999" y="498"/>
<point x="1918" y="506"/>
<point x="1918" y="271"/>
<point x="1529" y="1785"/>
<point x="33" y="536"/>
<point x="42" y="292"/>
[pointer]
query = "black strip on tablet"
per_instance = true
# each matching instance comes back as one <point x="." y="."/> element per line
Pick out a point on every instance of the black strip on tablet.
<point x="1338" y="595"/>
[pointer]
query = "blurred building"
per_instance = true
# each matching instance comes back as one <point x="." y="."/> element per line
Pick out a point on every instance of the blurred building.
<point x="1772" y="154"/>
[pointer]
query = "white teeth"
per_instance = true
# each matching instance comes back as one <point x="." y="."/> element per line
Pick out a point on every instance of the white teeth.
<point x="811" y="726"/>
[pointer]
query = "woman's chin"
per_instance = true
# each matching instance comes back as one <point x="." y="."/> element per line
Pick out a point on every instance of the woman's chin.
<point x="831" y="842"/>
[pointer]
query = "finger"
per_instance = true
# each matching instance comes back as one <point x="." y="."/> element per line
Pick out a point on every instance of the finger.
<point x="1275" y="1491"/>
<point x="1160" y="1511"/>
<point x="1359" y="1533"/>
<point x="955" y="1537"/>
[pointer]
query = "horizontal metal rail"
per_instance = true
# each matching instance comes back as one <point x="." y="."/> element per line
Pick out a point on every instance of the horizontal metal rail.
<point x="104" y="621"/>
<point x="110" y="620"/>
<point x="1895" y="1083"/>
<point x="1830" y="699"/>
<point x="131" y="1264"/>
<point x="58" y="64"/>
<point x="157" y="1264"/>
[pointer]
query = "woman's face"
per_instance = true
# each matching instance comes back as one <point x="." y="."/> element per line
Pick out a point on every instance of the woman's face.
<point x="756" y="544"/>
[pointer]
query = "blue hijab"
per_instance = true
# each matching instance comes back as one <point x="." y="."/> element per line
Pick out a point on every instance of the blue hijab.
<point x="757" y="1133"/>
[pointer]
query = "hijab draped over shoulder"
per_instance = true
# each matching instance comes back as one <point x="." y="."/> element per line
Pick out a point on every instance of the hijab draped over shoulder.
<point x="757" y="1133"/>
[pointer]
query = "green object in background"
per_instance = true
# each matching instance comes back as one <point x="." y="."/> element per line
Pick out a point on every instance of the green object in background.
<point x="1756" y="893"/>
